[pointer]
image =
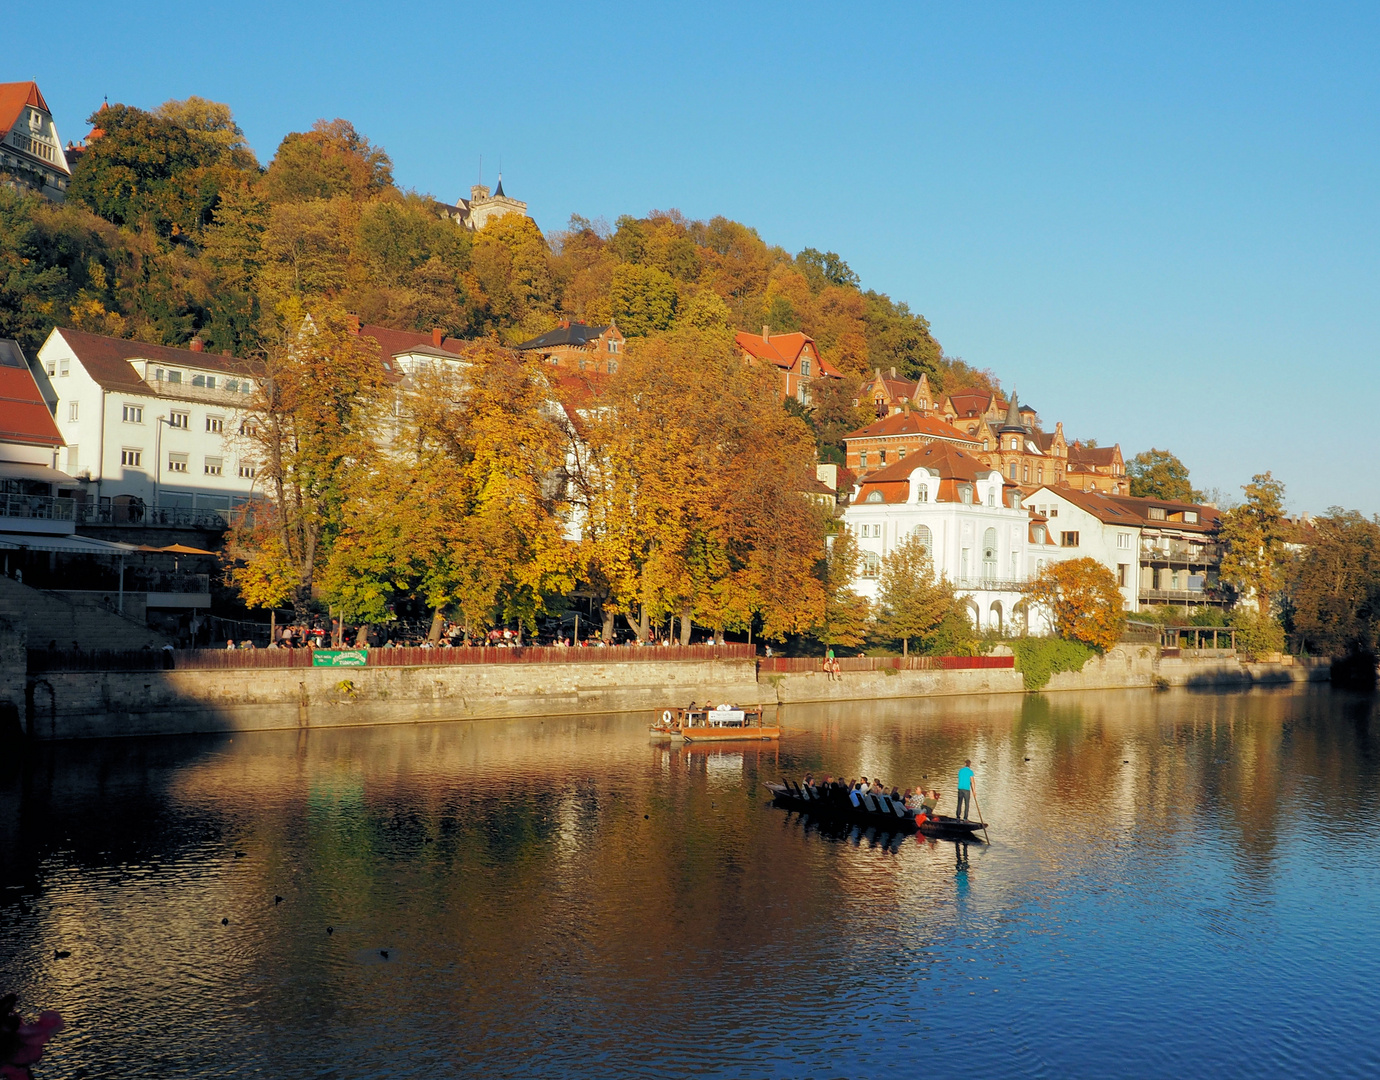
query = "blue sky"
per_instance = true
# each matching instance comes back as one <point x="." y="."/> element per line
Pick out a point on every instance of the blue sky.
<point x="1155" y="222"/>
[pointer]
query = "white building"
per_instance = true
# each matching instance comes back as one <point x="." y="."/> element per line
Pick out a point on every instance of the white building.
<point x="30" y="150"/>
<point x="971" y="519"/>
<point x="150" y="428"/>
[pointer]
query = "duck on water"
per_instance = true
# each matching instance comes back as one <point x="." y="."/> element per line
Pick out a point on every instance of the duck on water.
<point x="835" y="800"/>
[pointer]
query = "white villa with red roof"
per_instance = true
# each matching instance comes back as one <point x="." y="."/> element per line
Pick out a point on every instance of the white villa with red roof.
<point x="888" y="440"/>
<point x="971" y="520"/>
<point x="30" y="150"/>
<point x="795" y="356"/>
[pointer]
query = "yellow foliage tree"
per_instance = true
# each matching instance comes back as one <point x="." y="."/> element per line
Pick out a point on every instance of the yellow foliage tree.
<point x="1083" y="600"/>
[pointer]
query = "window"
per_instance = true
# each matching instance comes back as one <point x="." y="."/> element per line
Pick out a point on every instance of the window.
<point x="989" y="554"/>
<point x="131" y="457"/>
<point x="992" y="495"/>
<point x="871" y="564"/>
<point x="248" y="427"/>
<point x="881" y="457"/>
<point x="232" y="385"/>
<point x="862" y="459"/>
<point x="922" y="533"/>
<point x="215" y="424"/>
<point x="1155" y="513"/>
<point x="874" y="497"/>
<point x="1053" y="510"/>
<point x="1123" y="540"/>
<point x="247" y="472"/>
<point x="1025" y="474"/>
<point x="1011" y="469"/>
<point x="174" y="376"/>
<point x="179" y="419"/>
<point x="177" y="463"/>
<point x="208" y="381"/>
<point x="805" y="366"/>
<point x="1068" y="539"/>
<point x="1015" y="443"/>
<point x="1039" y="474"/>
<point x="73" y="457"/>
<point x="245" y="388"/>
<point x="134" y="414"/>
<point x="214" y="466"/>
<point x="1041" y="537"/>
<point x="64" y="367"/>
<point x="965" y="494"/>
<point x="613" y="367"/>
<point x="50" y="367"/>
<point x="1190" y="516"/>
<point x="1123" y="574"/>
<point x="901" y="454"/>
<point x="923" y="495"/>
<point x="72" y="411"/>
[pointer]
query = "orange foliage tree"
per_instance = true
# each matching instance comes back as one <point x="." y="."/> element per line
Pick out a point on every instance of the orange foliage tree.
<point x="1084" y="601"/>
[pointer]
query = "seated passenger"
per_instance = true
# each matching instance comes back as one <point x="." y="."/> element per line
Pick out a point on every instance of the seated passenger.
<point x="929" y="802"/>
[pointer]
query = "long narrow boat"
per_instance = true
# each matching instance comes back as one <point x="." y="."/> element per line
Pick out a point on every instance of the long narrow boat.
<point x="879" y="811"/>
<point x="726" y="723"/>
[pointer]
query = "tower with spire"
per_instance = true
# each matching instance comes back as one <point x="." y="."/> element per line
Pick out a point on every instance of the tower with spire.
<point x="483" y="207"/>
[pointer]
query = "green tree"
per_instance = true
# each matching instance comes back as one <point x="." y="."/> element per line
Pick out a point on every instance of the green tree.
<point x="823" y="268"/>
<point x="1254" y="535"/>
<point x="213" y="123"/>
<point x="329" y="161"/>
<point x="1158" y="474"/>
<point x="912" y="601"/>
<point x="1333" y="600"/>
<point x="642" y="299"/>
<point x="846" y="614"/>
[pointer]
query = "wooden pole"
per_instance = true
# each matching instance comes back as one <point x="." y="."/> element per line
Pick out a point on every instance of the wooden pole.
<point x="978" y="808"/>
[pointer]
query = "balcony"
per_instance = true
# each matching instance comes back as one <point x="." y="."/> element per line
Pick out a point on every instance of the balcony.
<point x="1180" y="596"/>
<point x="136" y="515"/>
<point x="37" y="514"/>
<point x="990" y="585"/>
<point x="1179" y="553"/>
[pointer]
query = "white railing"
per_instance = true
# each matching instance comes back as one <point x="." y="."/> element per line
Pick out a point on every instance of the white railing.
<point x="46" y="507"/>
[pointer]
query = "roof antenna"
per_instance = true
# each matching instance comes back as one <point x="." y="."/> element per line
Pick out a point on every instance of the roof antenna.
<point x="481" y="168"/>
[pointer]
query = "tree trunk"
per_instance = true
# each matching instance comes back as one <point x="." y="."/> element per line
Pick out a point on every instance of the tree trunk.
<point x="905" y="646"/>
<point x="437" y="621"/>
<point x="643" y="629"/>
<point x="608" y="625"/>
<point x="362" y="636"/>
<point x="685" y="627"/>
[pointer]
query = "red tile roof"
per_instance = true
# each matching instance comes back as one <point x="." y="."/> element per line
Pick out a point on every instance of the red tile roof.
<point x="781" y="349"/>
<point x="952" y="464"/>
<point x="107" y="359"/>
<point x="1133" y="511"/>
<point x="968" y="403"/>
<point x="1093" y="455"/>
<point x="392" y="342"/>
<point x="14" y="98"/>
<point x="910" y="423"/>
<point x="24" y="415"/>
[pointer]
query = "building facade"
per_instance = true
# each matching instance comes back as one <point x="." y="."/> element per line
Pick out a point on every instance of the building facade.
<point x="31" y="153"/>
<point x="969" y="518"/>
<point x="794" y="356"/>
<point x="888" y="440"/>
<point x="888" y="393"/>
<point x="150" y="427"/>
<point x="573" y="346"/>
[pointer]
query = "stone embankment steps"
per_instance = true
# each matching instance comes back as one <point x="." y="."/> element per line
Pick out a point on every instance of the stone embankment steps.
<point x="52" y="617"/>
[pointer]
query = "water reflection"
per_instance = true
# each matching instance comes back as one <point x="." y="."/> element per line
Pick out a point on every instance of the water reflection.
<point x="560" y="896"/>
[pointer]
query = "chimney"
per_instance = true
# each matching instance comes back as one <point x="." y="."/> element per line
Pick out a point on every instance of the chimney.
<point x="893" y="373"/>
<point x="197" y="344"/>
<point x="766" y="333"/>
<point x="352" y="321"/>
<point x="436" y="336"/>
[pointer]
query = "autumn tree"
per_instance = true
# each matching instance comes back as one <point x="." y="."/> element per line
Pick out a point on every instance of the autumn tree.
<point x="912" y="600"/>
<point x="310" y="425"/>
<point x="1333" y="594"/>
<point x="1158" y="474"/>
<point x="329" y="161"/>
<point x="1254" y="535"/>
<point x="642" y="299"/>
<point x="1083" y="601"/>
<point x="847" y="615"/>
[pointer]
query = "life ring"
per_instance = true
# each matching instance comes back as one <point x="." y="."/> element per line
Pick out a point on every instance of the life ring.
<point x="666" y="717"/>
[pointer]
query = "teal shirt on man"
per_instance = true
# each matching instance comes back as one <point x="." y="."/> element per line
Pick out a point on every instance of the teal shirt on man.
<point x="965" y="779"/>
<point x="965" y="789"/>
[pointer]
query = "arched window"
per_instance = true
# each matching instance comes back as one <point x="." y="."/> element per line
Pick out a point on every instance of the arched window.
<point x="923" y="533"/>
<point x="923" y="494"/>
<point x="875" y="496"/>
<point x="989" y="554"/>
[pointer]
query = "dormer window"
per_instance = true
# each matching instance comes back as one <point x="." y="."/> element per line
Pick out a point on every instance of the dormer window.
<point x="874" y="497"/>
<point x="1190" y="517"/>
<point x="1155" y="513"/>
<point x="965" y="494"/>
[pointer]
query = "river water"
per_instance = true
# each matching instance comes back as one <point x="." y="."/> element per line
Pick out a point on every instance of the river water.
<point x="1177" y="884"/>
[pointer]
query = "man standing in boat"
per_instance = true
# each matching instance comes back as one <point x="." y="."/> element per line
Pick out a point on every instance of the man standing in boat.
<point x="965" y="788"/>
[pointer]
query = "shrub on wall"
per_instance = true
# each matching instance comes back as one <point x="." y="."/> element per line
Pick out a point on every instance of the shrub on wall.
<point x="1256" y="635"/>
<point x="1037" y="659"/>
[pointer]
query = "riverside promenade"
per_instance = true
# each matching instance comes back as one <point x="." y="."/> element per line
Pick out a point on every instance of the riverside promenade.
<point x="50" y="695"/>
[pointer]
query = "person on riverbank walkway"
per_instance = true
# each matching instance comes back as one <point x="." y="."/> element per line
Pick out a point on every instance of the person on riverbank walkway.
<point x="965" y="788"/>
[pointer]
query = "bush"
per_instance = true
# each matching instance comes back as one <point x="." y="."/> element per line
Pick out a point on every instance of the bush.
<point x="1037" y="659"/>
<point x="1256" y="636"/>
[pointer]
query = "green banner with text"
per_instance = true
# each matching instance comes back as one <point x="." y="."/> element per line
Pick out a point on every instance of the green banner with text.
<point x="339" y="657"/>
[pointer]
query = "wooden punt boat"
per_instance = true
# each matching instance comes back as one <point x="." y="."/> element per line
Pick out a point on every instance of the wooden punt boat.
<point x="878" y="811"/>
<point x="726" y="723"/>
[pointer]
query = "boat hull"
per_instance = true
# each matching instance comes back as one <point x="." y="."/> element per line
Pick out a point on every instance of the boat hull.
<point x="729" y="734"/>
<point x="841" y="810"/>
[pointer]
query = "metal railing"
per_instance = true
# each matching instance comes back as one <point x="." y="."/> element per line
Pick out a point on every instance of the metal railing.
<point x="175" y="517"/>
<point x="1180" y="551"/>
<point x="45" y="507"/>
<point x="795" y="665"/>
<point x="140" y="579"/>
<point x="991" y="584"/>
<point x="41" y="660"/>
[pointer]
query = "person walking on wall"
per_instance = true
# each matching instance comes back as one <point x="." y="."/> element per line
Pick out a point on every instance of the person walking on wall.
<point x="965" y="788"/>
